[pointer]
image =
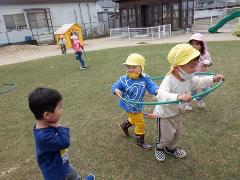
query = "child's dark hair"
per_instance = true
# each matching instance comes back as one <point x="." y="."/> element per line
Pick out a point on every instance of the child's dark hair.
<point x="43" y="100"/>
<point x="201" y="43"/>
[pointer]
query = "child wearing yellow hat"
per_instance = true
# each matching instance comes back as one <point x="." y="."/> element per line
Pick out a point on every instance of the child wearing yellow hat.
<point x="133" y="86"/>
<point x="175" y="86"/>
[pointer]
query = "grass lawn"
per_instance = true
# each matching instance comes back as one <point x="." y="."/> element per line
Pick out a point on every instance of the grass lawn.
<point x="211" y="137"/>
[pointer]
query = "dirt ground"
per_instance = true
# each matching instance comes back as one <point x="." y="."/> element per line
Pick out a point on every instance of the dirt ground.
<point x="20" y="53"/>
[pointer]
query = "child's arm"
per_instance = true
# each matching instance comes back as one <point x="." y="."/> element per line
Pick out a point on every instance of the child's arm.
<point x="117" y="88"/>
<point x="150" y="115"/>
<point x="81" y="45"/>
<point x="184" y="97"/>
<point x="164" y="92"/>
<point x="152" y="87"/>
<point x="218" y="78"/>
<point x="55" y="140"/>
<point x="201" y="82"/>
<point x="117" y="92"/>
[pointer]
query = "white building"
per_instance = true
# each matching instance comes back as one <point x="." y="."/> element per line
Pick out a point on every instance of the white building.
<point x="106" y="6"/>
<point x="214" y="8"/>
<point x="107" y="11"/>
<point x="38" y="19"/>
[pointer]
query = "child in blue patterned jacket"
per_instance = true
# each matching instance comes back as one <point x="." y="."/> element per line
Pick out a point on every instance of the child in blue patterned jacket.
<point x="133" y="86"/>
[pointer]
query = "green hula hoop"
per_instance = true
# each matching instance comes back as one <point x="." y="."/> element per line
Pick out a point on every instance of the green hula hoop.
<point x="176" y="101"/>
<point x="12" y="87"/>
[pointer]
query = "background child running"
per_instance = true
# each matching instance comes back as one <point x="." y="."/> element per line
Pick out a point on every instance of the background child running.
<point x="175" y="86"/>
<point x="197" y="41"/>
<point x="62" y="43"/>
<point x="133" y="86"/>
<point x="52" y="140"/>
<point x="78" y="48"/>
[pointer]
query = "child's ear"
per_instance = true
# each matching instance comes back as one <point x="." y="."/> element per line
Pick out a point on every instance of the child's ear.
<point x="175" y="68"/>
<point x="46" y="115"/>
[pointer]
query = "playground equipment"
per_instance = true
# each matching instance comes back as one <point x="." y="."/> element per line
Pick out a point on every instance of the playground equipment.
<point x="6" y="87"/>
<point x="202" y="94"/>
<point x="67" y="30"/>
<point x="237" y="31"/>
<point x="223" y="21"/>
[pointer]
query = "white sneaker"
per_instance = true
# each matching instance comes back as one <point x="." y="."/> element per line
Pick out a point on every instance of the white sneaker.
<point x="200" y="104"/>
<point x="180" y="153"/>
<point x="82" y="67"/>
<point x="189" y="107"/>
<point x="159" y="154"/>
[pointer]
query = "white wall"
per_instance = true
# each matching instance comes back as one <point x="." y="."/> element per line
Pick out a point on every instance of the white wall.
<point x="61" y="13"/>
<point x="198" y="14"/>
<point x="100" y="9"/>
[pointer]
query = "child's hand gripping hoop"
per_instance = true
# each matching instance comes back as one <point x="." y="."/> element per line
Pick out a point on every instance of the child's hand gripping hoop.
<point x="215" y="86"/>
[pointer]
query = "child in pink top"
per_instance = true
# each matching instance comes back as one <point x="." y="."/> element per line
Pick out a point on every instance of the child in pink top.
<point x="197" y="41"/>
<point x="78" y="48"/>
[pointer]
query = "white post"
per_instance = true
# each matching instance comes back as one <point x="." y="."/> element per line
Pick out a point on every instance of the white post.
<point x="129" y="37"/>
<point x="170" y="29"/>
<point x="152" y="32"/>
<point x="110" y="34"/>
<point x="37" y="34"/>
<point x="211" y="19"/>
<point x="226" y="8"/>
<point x="7" y="37"/>
<point x="164" y="30"/>
<point x="159" y="32"/>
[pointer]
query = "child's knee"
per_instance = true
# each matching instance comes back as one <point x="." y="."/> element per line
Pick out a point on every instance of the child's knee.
<point x="139" y="128"/>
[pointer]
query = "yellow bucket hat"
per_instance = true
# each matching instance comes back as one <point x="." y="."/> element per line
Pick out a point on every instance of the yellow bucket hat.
<point x="182" y="54"/>
<point x="135" y="59"/>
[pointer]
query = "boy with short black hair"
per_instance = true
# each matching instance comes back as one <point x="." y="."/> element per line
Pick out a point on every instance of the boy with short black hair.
<point x="52" y="140"/>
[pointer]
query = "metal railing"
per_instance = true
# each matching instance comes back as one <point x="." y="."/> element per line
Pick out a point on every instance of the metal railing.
<point x="145" y="33"/>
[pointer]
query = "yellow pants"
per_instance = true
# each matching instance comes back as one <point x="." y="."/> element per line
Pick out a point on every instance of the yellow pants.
<point x="138" y="121"/>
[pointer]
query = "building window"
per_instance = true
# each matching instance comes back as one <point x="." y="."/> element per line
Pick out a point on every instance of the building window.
<point x="138" y="17"/>
<point x="15" y="21"/>
<point x="190" y="13"/>
<point x="132" y="17"/>
<point x="38" y="18"/>
<point x="157" y="15"/>
<point x="166" y="13"/>
<point x="124" y="18"/>
<point x="184" y="13"/>
<point x="175" y="15"/>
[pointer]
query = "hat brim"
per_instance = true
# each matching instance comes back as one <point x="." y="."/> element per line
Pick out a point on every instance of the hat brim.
<point x="131" y="64"/>
<point x="194" y="55"/>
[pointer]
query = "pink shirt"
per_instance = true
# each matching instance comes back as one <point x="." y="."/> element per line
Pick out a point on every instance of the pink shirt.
<point x="77" y="46"/>
<point x="204" y="61"/>
<point x="205" y="58"/>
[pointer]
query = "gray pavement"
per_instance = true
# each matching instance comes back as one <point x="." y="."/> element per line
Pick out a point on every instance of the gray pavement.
<point x="20" y="53"/>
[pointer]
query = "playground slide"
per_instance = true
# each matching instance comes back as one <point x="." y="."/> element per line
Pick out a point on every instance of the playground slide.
<point x="223" y="21"/>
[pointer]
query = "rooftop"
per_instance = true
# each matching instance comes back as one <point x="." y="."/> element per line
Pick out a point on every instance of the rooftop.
<point x="41" y="1"/>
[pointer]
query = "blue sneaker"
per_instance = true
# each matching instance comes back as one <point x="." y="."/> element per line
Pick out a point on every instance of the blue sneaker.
<point x="90" y="177"/>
